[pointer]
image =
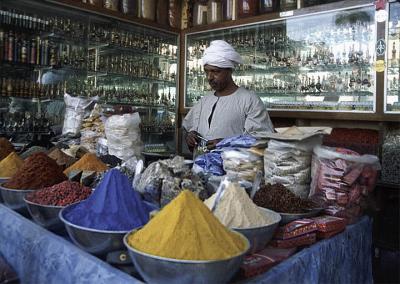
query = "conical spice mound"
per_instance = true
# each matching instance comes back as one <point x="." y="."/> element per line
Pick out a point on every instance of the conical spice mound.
<point x="10" y="165"/>
<point x="186" y="229"/>
<point x="89" y="162"/>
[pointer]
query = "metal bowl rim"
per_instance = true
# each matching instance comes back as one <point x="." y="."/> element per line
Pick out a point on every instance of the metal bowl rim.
<point x="42" y="205"/>
<point x="4" y="178"/>
<point x="276" y="215"/>
<point x="66" y="222"/>
<point x="2" y="187"/>
<point x="186" y="261"/>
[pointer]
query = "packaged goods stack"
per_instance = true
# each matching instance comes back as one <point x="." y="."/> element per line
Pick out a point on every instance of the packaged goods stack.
<point x="287" y="160"/>
<point x="92" y="129"/>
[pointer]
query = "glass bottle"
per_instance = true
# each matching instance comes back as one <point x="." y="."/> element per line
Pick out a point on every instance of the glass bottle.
<point x="147" y="9"/>
<point x="214" y="11"/>
<point x="394" y="60"/>
<point x="247" y="8"/>
<point x="229" y="11"/>
<point x="162" y="12"/>
<point x="267" y="6"/>
<point x="287" y="5"/>
<point x="200" y="13"/>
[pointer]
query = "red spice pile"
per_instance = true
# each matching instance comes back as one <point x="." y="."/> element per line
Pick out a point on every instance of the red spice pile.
<point x="61" y="194"/>
<point x="37" y="171"/>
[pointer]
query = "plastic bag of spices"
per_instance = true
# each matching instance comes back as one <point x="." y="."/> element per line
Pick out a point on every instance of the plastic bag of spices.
<point x="341" y="180"/>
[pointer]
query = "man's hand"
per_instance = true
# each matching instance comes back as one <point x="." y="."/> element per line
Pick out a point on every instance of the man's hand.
<point x="212" y="143"/>
<point x="192" y="139"/>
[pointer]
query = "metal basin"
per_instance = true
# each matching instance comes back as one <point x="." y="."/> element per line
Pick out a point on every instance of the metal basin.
<point x="94" y="241"/>
<point x="3" y="180"/>
<point x="260" y="236"/>
<point x="45" y="215"/>
<point x="156" y="269"/>
<point x="289" y="217"/>
<point x="14" y="198"/>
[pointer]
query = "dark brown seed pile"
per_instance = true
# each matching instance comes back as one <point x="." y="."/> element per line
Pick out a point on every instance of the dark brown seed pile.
<point x="280" y="199"/>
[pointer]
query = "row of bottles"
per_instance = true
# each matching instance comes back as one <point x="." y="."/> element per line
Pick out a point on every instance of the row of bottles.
<point x="132" y="65"/>
<point x="129" y="39"/>
<point x="164" y="12"/>
<point x="23" y="88"/>
<point x="215" y="11"/>
<point x="25" y="123"/>
<point x="138" y="96"/>
<point x="18" y="47"/>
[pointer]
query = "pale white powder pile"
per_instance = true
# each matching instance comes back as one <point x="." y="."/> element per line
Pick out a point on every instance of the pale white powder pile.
<point x="237" y="210"/>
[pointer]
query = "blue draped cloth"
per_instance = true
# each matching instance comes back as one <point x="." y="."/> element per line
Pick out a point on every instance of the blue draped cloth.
<point x="39" y="256"/>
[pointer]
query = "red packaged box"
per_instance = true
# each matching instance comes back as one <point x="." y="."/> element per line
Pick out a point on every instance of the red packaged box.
<point x="296" y="228"/>
<point x="327" y="235"/>
<point x="263" y="260"/>
<point x="303" y="240"/>
<point x="330" y="223"/>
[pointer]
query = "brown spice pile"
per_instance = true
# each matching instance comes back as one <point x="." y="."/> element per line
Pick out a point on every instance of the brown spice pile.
<point x="89" y="162"/>
<point x="280" y="199"/>
<point x="37" y="171"/>
<point x="61" y="158"/>
<point x="5" y="148"/>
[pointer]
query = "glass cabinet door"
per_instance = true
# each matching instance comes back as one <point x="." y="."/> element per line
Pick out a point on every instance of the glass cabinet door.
<point x="321" y="62"/>
<point x="393" y="60"/>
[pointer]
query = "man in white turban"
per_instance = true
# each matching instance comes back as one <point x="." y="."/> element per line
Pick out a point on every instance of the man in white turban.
<point x="228" y="111"/>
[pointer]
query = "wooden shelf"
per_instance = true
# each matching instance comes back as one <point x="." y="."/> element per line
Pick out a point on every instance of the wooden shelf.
<point x="113" y="14"/>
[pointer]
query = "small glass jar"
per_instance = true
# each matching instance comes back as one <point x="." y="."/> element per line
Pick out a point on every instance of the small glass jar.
<point x="267" y="6"/>
<point x="247" y="8"/>
<point x="228" y="10"/>
<point x="147" y="9"/>
<point x="200" y="13"/>
<point x="111" y="4"/>
<point x="288" y="5"/>
<point x="214" y="11"/>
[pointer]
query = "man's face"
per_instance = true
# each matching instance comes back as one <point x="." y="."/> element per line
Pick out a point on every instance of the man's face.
<point x="218" y="78"/>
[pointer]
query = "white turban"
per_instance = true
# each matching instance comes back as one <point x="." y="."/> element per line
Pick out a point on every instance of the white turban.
<point x="221" y="54"/>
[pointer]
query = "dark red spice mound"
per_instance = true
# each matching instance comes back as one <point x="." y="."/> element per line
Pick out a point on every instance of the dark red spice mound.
<point x="37" y="171"/>
<point x="61" y="194"/>
<point x="280" y="199"/>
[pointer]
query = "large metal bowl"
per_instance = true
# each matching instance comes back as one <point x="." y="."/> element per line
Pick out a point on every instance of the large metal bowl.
<point x="260" y="236"/>
<point x="14" y="198"/>
<point x="3" y="180"/>
<point x="156" y="269"/>
<point x="94" y="241"/>
<point x="289" y="217"/>
<point x="45" y="215"/>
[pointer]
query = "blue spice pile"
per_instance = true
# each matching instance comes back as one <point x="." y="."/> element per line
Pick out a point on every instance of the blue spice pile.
<point x="113" y="206"/>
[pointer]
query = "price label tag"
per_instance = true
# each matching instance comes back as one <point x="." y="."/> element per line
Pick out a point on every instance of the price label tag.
<point x="286" y="14"/>
<point x="379" y="66"/>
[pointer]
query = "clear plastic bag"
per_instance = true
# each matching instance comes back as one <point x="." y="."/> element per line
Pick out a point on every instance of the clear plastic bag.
<point x="342" y="179"/>
<point x="123" y="136"/>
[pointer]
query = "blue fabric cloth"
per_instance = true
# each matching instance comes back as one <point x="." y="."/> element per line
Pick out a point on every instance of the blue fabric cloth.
<point x="113" y="206"/>
<point x="39" y="256"/>
<point x="211" y="163"/>
<point x="344" y="258"/>
<point x="241" y="141"/>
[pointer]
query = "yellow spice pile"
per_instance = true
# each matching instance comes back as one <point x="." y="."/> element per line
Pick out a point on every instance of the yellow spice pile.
<point x="10" y="165"/>
<point x="186" y="229"/>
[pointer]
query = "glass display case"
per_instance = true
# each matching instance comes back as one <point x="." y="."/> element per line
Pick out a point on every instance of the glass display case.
<point x="392" y="99"/>
<point x="47" y="50"/>
<point x="317" y="62"/>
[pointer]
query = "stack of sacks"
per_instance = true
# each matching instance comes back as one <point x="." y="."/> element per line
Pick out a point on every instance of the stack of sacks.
<point x="287" y="160"/>
<point x="92" y="129"/>
<point x="242" y="163"/>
